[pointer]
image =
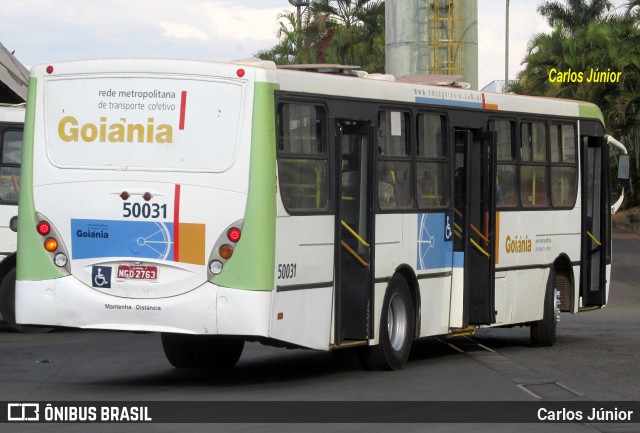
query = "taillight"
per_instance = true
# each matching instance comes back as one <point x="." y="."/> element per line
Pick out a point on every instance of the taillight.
<point x="225" y="251"/>
<point x="233" y="234"/>
<point x="44" y="228"/>
<point x="51" y="245"/>
<point x="223" y="248"/>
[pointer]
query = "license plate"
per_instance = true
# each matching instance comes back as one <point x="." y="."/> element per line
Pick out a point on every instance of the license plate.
<point x="137" y="272"/>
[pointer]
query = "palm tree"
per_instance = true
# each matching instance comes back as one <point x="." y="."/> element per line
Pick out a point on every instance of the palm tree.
<point x="573" y="14"/>
<point x="332" y="31"/>
<point x="356" y="29"/>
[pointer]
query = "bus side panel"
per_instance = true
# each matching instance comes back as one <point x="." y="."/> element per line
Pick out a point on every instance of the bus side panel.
<point x="33" y="261"/>
<point x="428" y="248"/>
<point x="303" y="300"/>
<point x="388" y="257"/>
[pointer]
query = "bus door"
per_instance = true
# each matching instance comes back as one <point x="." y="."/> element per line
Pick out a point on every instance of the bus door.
<point x="474" y="222"/>
<point x="595" y="220"/>
<point x="354" y="230"/>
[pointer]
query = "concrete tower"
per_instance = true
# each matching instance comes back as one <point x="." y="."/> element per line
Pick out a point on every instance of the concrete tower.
<point x="432" y="37"/>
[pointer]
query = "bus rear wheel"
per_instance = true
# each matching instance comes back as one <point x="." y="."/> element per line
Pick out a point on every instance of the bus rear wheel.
<point x="8" y="305"/>
<point x="396" y="328"/>
<point x="543" y="332"/>
<point x="212" y="352"/>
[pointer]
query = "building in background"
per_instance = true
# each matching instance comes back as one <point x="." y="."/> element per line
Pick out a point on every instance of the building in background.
<point x="432" y="37"/>
<point x="497" y="86"/>
<point x="14" y="78"/>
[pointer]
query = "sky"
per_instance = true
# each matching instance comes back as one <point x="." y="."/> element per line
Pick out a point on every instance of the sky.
<point x="42" y="31"/>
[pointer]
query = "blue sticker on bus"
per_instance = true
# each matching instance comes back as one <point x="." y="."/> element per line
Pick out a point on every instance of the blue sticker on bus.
<point x="92" y="239"/>
<point x="101" y="277"/>
<point x="435" y="246"/>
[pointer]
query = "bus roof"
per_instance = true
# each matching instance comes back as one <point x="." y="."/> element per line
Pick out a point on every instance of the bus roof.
<point x="311" y="79"/>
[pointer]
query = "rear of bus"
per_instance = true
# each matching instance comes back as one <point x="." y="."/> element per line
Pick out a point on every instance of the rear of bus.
<point x="147" y="198"/>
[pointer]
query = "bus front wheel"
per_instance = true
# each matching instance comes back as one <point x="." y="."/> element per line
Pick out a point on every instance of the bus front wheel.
<point x="396" y="328"/>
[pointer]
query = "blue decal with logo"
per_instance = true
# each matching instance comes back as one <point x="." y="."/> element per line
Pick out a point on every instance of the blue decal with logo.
<point x="435" y="236"/>
<point x="137" y="239"/>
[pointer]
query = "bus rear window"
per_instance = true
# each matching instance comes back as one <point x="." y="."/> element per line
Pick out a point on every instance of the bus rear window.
<point x="143" y="123"/>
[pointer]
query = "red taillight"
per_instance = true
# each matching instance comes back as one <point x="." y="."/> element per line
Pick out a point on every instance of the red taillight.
<point x="147" y="196"/>
<point x="44" y="228"/>
<point x="124" y="195"/>
<point x="240" y="72"/>
<point x="49" y="69"/>
<point x="234" y="234"/>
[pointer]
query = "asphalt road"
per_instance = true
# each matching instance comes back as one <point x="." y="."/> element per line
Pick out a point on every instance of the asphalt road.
<point x="595" y="358"/>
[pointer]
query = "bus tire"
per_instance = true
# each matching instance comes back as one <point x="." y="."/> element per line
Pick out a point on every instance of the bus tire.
<point x="177" y="349"/>
<point x="396" y="328"/>
<point x="543" y="332"/>
<point x="8" y="305"/>
<point x="215" y="352"/>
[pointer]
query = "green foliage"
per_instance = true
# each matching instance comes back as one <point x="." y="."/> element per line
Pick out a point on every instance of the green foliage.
<point x="585" y="38"/>
<point x="332" y="31"/>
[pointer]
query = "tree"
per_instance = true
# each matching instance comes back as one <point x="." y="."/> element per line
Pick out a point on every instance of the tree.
<point x="573" y="14"/>
<point x="332" y="31"/>
<point x="294" y="45"/>
<point x="591" y="41"/>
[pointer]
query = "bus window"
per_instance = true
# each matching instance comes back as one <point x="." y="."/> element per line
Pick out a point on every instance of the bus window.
<point x="10" y="166"/>
<point x="564" y="173"/>
<point x="302" y="158"/>
<point x="432" y="167"/>
<point x="533" y="175"/>
<point x="506" y="173"/>
<point x="533" y="185"/>
<point x="534" y="142"/>
<point x="394" y="161"/>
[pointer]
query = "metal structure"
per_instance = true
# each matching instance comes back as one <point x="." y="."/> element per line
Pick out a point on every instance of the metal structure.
<point x="432" y="37"/>
<point x="445" y="43"/>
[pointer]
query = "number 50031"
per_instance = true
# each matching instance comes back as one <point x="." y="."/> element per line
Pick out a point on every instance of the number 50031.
<point x="144" y="210"/>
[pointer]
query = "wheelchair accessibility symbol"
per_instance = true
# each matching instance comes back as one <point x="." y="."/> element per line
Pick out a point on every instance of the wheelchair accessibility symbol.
<point x="101" y="277"/>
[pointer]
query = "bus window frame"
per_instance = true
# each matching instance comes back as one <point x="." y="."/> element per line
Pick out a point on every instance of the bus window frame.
<point x="446" y="159"/>
<point x="407" y="158"/>
<point x="575" y="164"/>
<point x="327" y="156"/>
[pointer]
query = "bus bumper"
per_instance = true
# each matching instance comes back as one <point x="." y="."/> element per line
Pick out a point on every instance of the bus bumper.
<point x="208" y="309"/>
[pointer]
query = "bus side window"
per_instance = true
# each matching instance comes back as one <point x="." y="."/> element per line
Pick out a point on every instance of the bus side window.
<point x="302" y="158"/>
<point x="394" y="161"/>
<point x="10" y="165"/>
<point x="506" y="155"/>
<point x="432" y="166"/>
<point x="533" y="167"/>
<point x="564" y="172"/>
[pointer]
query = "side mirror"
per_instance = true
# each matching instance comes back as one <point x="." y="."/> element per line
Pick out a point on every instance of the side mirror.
<point x="623" y="170"/>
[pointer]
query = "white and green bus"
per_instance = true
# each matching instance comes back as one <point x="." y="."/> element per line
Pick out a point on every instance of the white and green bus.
<point x="11" y="124"/>
<point x="218" y="203"/>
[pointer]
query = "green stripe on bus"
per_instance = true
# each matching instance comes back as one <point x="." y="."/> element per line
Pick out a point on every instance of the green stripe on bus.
<point x="253" y="262"/>
<point x="590" y="111"/>
<point x="34" y="263"/>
